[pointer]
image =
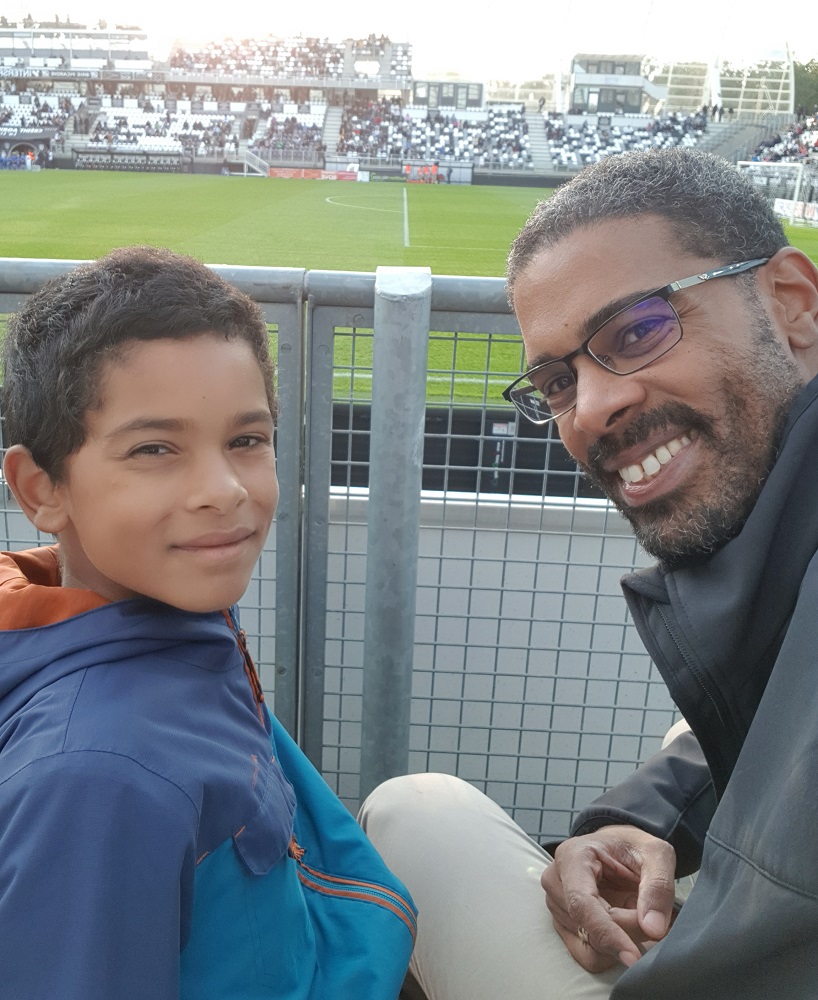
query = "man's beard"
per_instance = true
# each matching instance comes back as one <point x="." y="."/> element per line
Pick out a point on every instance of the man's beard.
<point x="697" y="518"/>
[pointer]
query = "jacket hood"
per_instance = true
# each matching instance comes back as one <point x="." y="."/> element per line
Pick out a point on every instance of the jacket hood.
<point x="714" y="628"/>
<point x="48" y="631"/>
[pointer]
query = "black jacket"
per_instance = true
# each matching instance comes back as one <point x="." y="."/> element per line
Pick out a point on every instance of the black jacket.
<point x="735" y="638"/>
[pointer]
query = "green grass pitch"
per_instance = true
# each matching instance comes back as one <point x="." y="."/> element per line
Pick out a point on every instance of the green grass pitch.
<point x="334" y="225"/>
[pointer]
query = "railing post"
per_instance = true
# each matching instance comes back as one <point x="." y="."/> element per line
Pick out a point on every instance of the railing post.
<point x="403" y="298"/>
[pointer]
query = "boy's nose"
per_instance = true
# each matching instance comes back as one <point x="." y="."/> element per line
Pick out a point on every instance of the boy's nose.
<point x="216" y="483"/>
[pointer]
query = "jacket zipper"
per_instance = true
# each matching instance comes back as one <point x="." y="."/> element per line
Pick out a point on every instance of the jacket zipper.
<point x="249" y="666"/>
<point x="715" y="699"/>
<point x="346" y="888"/>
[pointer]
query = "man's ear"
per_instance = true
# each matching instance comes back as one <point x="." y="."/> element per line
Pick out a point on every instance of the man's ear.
<point x="792" y="280"/>
<point x="40" y="499"/>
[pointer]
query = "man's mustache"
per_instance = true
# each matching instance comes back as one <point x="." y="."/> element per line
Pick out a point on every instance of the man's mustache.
<point x="680" y="416"/>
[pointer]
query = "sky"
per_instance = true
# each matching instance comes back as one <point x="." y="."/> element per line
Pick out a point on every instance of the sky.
<point x="518" y="42"/>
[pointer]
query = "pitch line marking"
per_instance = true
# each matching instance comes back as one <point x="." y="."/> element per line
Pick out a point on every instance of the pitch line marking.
<point x="487" y="379"/>
<point x="439" y="246"/>
<point x="363" y="208"/>
<point x="406" y="242"/>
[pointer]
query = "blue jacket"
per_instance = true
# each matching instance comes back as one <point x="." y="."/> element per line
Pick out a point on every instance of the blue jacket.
<point x="160" y="835"/>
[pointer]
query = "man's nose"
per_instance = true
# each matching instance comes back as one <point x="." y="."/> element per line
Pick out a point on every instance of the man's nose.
<point x="603" y="398"/>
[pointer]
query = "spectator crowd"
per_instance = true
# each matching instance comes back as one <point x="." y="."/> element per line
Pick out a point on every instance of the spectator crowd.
<point x="383" y="129"/>
<point x="33" y="111"/>
<point x="279" y="135"/>
<point x="198" y="134"/>
<point x="797" y="143"/>
<point x="293" y="57"/>
<point x="574" y="145"/>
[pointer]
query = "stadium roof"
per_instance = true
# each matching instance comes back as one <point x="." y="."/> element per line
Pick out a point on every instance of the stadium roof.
<point x="609" y="55"/>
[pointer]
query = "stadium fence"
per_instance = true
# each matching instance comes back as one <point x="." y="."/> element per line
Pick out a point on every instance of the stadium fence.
<point x="400" y="628"/>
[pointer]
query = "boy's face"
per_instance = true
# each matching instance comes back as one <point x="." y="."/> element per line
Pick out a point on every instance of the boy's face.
<point x="172" y="494"/>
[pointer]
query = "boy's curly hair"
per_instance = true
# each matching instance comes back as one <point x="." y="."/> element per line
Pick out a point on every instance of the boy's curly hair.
<point x="57" y="344"/>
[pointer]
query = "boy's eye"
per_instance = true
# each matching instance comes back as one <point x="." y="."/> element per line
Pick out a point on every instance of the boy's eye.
<point x="248" y="441"/>
<point x="150" y="449"/>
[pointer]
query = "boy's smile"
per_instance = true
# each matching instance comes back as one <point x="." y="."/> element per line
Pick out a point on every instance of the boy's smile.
<point x="172" y="494"/>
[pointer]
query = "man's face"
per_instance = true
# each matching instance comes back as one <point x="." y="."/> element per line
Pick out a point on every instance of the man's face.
<point x="683" y="446"/>
<point x="172" y="494"/>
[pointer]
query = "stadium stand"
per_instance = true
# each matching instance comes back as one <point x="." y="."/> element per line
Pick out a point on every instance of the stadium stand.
<point x="574" y="145"/>
<point x="162" y="130"/>
<point x="288" y="133"/>
<point x="797" y="143"/>
<point x="299" y="58"/>
<point x="29" y="111"/>
<point x="91" y="97"/>
<point x="273" y="57"/>
<point x="384" y="130"/>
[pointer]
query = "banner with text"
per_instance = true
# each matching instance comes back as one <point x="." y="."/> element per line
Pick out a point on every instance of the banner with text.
<point x="309" y="173"/>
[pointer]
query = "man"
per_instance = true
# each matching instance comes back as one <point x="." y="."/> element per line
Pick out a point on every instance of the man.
<point x="672" y="335"/>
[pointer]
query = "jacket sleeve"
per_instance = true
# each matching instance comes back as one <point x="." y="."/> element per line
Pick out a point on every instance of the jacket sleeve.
<point x="671" y="796"/>
<point x="96" y="861"/>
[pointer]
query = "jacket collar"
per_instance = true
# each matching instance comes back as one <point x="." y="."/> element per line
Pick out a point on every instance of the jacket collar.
<point x="31" y="594"/>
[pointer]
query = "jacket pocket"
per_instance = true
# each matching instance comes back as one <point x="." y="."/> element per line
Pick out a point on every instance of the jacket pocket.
<point x="264" y="839"/>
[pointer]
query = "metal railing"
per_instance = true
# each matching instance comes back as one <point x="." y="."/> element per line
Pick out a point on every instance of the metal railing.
<point x="399" y="627"/>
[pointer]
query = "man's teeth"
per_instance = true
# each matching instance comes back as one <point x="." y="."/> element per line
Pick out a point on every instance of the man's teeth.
<point x="654" y="462"/>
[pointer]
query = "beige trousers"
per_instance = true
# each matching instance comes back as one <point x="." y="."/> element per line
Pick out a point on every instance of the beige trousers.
<point x="484" y="932"/>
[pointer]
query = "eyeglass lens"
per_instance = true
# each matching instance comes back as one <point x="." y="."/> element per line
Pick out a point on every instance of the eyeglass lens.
<point x="630" y="340"/>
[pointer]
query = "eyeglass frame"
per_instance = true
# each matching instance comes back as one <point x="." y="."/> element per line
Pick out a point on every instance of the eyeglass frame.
<point x="663" y="292"/>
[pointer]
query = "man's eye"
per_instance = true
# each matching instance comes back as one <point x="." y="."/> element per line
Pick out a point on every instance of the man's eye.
<point x="639" y="338"/>
<point x="557" y="386"/>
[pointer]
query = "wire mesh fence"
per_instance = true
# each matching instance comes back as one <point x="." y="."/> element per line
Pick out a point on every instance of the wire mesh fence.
<point x="528" y="678"/>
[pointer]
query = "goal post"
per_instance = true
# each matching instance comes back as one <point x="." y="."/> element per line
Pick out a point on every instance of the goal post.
<point x="791" y="187"/>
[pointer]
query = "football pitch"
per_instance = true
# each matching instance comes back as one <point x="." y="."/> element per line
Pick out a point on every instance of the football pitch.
<point x="331" y="225"/>
<point x="326" y="225"/>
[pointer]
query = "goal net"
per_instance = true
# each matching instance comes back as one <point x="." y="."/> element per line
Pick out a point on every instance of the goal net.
<point x="791" y="187"/>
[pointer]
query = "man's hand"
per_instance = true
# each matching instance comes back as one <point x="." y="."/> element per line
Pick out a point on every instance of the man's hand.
<point x="611" y="894"/>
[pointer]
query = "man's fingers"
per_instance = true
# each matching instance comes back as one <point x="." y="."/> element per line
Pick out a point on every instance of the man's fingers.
<point x="657" y="889"/>
<point x="628" y="920"/>
<point x="604" y="935"/>
<point x="580" y="947"/>
<point x="610" y="893"/>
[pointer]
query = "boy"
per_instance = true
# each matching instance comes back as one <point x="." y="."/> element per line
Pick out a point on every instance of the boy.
<point x="160" y="835"/>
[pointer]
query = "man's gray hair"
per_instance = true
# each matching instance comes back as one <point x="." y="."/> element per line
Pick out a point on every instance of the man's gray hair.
<point x="714" y="210"/>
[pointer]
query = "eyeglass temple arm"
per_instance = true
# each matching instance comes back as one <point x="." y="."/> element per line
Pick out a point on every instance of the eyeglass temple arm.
<point x="719" y="272"/>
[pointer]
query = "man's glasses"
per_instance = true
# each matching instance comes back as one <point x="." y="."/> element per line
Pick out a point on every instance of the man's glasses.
<point x="633" y="338"/>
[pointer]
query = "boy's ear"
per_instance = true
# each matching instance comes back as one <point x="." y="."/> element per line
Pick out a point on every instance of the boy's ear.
<point x="39" y="497"/>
